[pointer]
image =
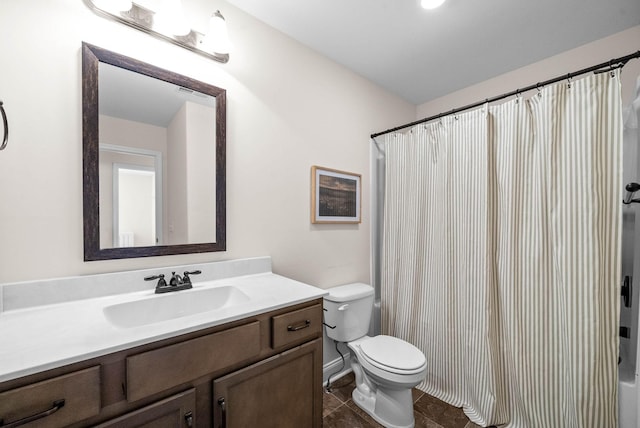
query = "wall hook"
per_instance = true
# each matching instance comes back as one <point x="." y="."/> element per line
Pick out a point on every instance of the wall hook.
<point x="5" y="139"/>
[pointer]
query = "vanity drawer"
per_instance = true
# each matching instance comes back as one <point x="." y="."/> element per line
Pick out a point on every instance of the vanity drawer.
<point x="296" y="326"/>
<point x="160" y="369"/>
<point x="177" y="411"/>
<point x="42" y="402"/>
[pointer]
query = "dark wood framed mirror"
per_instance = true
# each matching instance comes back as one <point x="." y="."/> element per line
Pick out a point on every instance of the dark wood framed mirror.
<point x="154" y="160"/>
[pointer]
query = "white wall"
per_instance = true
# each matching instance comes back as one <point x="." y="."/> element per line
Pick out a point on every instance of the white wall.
<point x="177" y="178"/>
<point x="201" y="175"/>
<point x="287" y="109"/>
<point x="615" y="46"/>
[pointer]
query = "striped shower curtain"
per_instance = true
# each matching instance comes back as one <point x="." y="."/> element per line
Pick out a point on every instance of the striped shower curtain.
<point x="501" y="255"/>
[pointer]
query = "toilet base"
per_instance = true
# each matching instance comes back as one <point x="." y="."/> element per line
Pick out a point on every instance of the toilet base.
<point x="388" y="408"/>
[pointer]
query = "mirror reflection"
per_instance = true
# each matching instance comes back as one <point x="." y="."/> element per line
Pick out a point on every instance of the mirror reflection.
<point x="154" y="184"/>
<point x="143" y="121"/>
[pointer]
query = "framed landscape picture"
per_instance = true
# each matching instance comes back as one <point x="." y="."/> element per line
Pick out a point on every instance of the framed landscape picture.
<point x="335" y="196"/>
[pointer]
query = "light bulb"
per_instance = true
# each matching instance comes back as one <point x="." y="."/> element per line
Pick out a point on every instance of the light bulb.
<point x="218" y="37"/>
<point x="431" y="4"/>
<point x="114" y="6"/>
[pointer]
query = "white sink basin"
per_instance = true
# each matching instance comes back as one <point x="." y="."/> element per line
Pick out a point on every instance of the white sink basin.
<point x="163" y="307"/>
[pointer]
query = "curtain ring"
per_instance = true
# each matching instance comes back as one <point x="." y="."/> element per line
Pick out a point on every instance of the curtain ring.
<point x="5" y="139"/>
<point x="611" y="68"/>
<point x="568" y="80"/>
<point x="539" y="88"/>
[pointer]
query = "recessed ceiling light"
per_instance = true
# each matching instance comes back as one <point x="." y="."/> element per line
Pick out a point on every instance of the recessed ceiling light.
<point x="431" y="4"/>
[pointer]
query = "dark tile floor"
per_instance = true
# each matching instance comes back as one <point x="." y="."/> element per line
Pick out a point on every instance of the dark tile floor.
<point x="339" y="410"/>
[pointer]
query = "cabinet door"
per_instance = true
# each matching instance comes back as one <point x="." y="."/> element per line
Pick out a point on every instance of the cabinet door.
<point x="177" y="411"/>
<point x="284" y="391"/>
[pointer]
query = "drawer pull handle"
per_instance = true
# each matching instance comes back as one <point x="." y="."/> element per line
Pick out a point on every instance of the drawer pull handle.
<point x="5" y="139"/>
<point x="188" y="418"/>
<point x="223" y="409"/>
<point x="57" y="405"/>
<point x="300" y="326"/>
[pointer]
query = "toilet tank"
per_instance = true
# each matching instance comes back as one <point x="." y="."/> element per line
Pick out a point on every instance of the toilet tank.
<point x="348" y="308"/>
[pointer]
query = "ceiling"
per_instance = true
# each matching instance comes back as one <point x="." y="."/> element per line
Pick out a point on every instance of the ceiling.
<point x="422" y="54"/>
<point x="139" y="98"/>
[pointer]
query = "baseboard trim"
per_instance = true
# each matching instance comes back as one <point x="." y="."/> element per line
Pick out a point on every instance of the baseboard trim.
<point x="335" y="370"/>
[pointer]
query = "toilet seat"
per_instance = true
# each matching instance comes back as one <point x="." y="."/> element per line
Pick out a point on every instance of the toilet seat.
<point x="392" y="355"/>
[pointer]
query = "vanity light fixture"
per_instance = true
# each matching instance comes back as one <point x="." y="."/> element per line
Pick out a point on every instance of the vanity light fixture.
<point x="170" y="19"/>
<point x="431" y="4"/>
<point x="169" y="23"/>
<point x="114" y="6"/>
<point x="218" y="36"/>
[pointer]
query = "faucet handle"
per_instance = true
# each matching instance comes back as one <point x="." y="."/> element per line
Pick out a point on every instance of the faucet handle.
<point x="160" y="278"/>
<point x="186" y="275"/>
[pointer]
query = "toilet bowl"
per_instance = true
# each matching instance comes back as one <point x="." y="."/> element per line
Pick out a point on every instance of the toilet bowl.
<point x="385" y="367"/>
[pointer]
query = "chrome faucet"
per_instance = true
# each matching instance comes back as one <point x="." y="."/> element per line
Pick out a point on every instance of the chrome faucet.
<point x="176" y="283"/>
<point x="175" y="280"/>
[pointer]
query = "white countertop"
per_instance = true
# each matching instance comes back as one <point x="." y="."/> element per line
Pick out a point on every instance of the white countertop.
<point x="43" y="337"/>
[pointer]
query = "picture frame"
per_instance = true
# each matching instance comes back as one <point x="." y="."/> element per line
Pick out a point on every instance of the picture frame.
<point x="335" y="196"/>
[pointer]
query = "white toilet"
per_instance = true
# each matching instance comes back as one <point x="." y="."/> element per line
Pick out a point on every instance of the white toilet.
<point x="385" y="367"/>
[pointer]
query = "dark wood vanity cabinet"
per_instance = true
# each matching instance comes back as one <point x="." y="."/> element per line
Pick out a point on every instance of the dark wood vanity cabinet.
<point x="264" y="370"/>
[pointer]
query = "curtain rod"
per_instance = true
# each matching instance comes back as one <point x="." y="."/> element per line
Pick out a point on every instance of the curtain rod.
<point x="612" y="64"/>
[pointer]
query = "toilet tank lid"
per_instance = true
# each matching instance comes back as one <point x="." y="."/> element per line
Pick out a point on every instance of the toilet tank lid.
<point x="347" y="292"/>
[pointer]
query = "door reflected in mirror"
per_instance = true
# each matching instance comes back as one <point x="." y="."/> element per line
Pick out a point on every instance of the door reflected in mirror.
<point x="154" y="160"/>
<point x="131" y="197"/>
<point x="134" y="199"/>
